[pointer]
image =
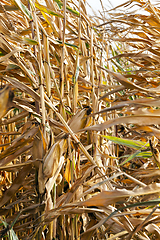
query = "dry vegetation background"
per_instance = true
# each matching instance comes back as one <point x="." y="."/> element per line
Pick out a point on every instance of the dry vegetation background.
<point x="79" y="109"/>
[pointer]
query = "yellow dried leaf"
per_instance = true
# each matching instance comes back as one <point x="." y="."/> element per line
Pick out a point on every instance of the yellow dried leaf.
<point x="68" y="171"/>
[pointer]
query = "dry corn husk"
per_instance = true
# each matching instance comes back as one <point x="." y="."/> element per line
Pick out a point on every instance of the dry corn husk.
<point x="52" y="158"/>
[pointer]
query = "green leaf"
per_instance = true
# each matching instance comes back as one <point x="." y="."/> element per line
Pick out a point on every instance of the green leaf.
<point x="144" y="154"/>
<point x="87" y="45"/>
<point x="1" y="54"/>
<point x="73" y="11"/>
<point x="4" y="223"/>
<point x="137" y="154"/>
<point x="15" y="219"/>
<point x="30" y="41"/>
<point x="12" y="66"/>
<point x="128" y="142"/>
<point x="12" y="235"/>
<point x="46" y="10"/>
<point x="140" y="154"/>
<point x="23" y="8"/>
<point x="68" y="44"/>
<point x="60" y="5"/>
<point x="130" y="158"/>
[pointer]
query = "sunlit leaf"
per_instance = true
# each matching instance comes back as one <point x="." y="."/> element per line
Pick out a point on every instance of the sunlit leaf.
<point x="127" y="142"/>
<point x="46" y="10"/>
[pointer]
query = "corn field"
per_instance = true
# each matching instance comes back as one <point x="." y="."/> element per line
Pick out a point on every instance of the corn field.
<point x="79" y="120"/>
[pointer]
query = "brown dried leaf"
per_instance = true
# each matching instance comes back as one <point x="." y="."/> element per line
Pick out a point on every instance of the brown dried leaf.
<point x="135" y="119"/>
<point x="109" y="197"/>
<point x="6" y="97"/>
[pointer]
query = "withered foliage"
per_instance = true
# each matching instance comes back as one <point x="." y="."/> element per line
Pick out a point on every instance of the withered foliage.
<point x="79" y="120"/>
